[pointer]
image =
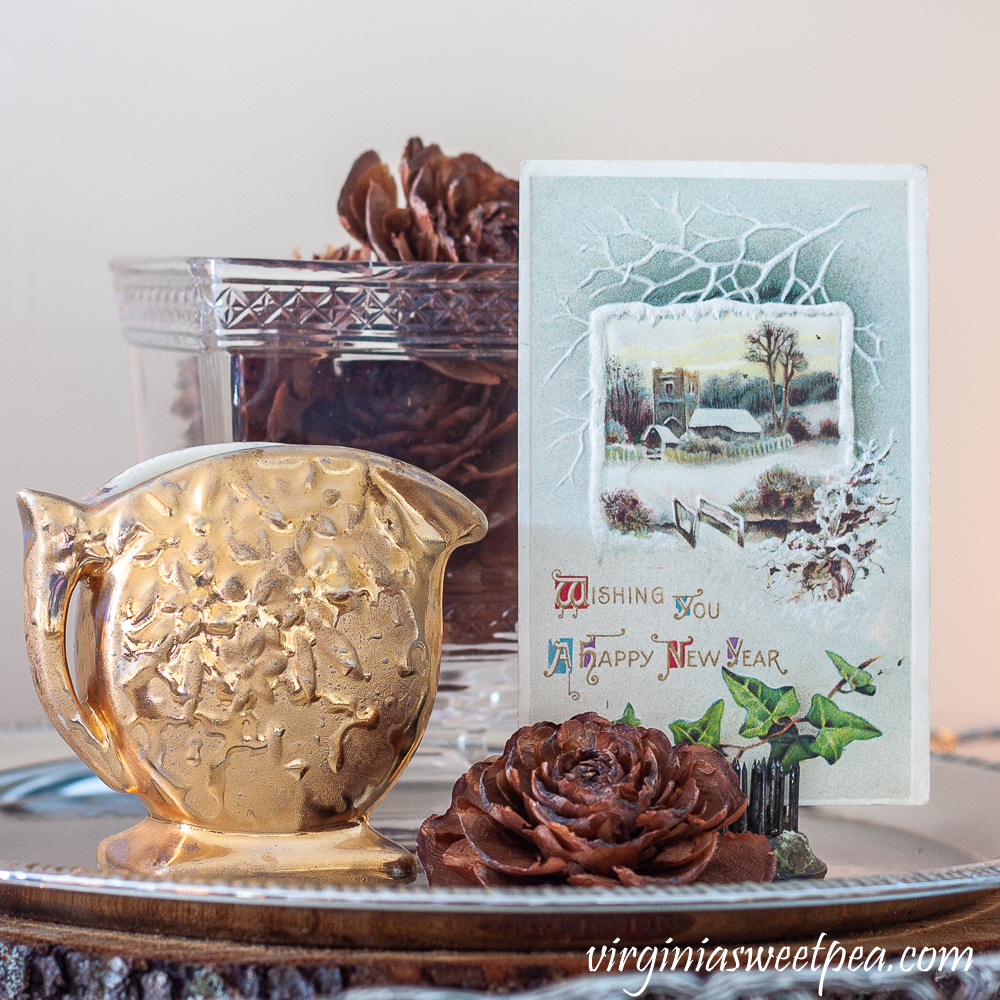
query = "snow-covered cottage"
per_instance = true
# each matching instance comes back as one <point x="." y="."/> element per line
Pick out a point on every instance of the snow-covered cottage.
<point x="728" y="425"/>
<point x="656" y="438"/>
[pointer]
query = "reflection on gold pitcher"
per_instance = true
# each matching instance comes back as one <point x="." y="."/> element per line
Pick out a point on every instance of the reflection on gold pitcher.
<point x="258" y="645"/>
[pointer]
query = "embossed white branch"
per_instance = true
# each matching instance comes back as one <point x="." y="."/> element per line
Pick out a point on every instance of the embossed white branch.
<point x="693" y="263"/>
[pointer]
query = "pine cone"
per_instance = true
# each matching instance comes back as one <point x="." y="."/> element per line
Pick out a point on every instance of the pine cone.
<point x="459" y="209"/>
<point x="344" y="253"/>
<point x="594" y="803"/>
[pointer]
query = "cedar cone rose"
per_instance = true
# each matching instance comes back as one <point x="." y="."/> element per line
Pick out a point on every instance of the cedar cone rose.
<point x="458" y="208"/>
<point x="594" y="803"/>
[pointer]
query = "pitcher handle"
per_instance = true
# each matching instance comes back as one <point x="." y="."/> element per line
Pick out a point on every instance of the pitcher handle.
<point x="59" y="548"/>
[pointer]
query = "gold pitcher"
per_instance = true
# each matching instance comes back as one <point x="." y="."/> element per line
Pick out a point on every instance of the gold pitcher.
<point x="258" y="643"/>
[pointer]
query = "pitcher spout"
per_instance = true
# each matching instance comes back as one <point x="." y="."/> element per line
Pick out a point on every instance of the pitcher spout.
<point x="440" y="516"/>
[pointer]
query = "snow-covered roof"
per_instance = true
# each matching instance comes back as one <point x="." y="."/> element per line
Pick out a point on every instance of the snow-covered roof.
<point x="667" y="436"/>
<point x="735" y="420"/>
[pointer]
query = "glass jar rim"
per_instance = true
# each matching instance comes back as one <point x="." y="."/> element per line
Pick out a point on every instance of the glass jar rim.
<point x="239" y="304"/>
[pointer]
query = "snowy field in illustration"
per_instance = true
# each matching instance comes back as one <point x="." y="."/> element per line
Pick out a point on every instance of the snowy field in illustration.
<point x="657" y="484"/>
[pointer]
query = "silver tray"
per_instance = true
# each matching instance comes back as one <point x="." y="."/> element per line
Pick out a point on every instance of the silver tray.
<point x="887" y="864"/>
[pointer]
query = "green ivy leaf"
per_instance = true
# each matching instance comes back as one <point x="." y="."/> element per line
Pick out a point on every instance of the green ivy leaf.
<point x="707" y="730"/>
<point x="859" y="680"/>
<point x="629" y="716"/>
<point x="765" y="705"/>
<point x="836" y="728"/>
<point x="791" y="747"/>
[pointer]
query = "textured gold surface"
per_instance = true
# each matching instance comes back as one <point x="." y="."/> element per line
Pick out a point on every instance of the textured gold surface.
<point x="258" y="645"/>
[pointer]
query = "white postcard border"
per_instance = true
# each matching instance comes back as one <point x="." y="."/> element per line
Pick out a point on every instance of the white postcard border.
<point x="916" y="178"/>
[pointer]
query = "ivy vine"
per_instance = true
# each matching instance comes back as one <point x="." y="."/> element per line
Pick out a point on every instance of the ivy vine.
<point x="774" y="717"/>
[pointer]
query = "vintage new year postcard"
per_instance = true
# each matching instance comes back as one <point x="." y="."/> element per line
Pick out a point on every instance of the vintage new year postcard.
<point x="723" y="499"/>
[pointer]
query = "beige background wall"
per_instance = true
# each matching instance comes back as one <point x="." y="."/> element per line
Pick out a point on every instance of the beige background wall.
<point x="216" y="127"/>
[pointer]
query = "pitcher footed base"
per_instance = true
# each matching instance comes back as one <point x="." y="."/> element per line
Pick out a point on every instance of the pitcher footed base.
<point x="348" y="855"/>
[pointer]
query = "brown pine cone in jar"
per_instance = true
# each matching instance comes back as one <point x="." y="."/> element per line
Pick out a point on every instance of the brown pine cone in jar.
<point x="594" y="803"/>
<point x="458" y="208"/>
<point x="344" y="253"/>
<point x="453" y="415"/>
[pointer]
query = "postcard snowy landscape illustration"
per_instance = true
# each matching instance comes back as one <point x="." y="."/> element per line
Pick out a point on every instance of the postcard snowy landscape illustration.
<point x="723" y="461"/>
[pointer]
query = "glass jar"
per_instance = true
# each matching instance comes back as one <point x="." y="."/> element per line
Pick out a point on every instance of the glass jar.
<point x="417" y="361"/>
